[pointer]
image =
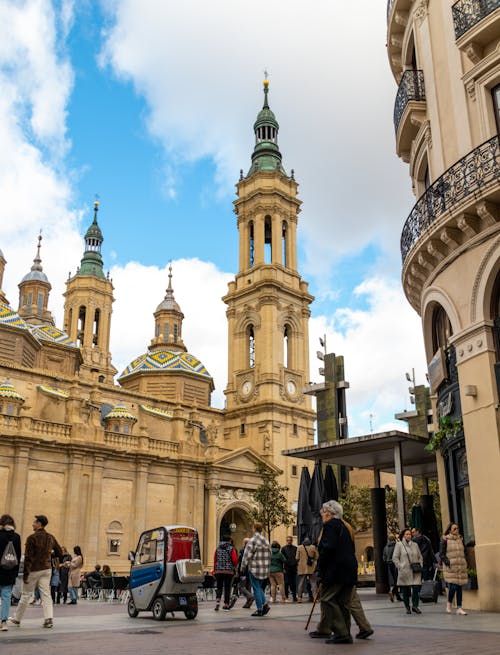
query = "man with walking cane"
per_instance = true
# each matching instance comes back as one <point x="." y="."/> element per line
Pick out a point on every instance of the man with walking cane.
<point x="337" y="571"/>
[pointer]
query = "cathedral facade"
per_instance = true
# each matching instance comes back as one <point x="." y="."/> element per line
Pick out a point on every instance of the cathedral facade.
<point x="107" y="455"/>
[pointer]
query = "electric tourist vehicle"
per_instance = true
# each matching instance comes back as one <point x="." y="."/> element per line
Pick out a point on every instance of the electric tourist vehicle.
<point x="165" y="572"/>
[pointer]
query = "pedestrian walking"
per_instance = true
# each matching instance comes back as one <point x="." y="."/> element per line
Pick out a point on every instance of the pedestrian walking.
<point x="55" y="579"/>
<point x="276" y="578"/>
<point x="257" y="561"/>
<point x="225" y="563"/>
<point x="63" y="576"/>
<point x="75" y="572"/>
<point x="337" y="574"/>
<point x="307" y="557"/>
<point x="10" y="559"/>
<point x="244" y="586"/>
<point x="408" y="560"/>
<point x="391" y="568"/>
<point x="425" y="545"/>
<point x="290" y="570"/>
<point x="40" y="546"/>
<point x="452" y="554"/>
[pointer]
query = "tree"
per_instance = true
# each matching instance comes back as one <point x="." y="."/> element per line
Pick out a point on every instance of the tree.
<point x="356" y="502"/>
<point x="272" y="510"/>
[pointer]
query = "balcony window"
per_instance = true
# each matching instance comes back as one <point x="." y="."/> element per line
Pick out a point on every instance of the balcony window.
<point x="410" y="89"/>
<point x="495" y="92"/>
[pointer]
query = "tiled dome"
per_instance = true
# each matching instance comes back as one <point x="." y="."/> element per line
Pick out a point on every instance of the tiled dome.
<point x="7" y="391"/>
<point x="162" y="361"/>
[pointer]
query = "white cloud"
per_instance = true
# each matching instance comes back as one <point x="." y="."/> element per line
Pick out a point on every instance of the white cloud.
<point x="379" y="345"/>
<point x="199" y="67"/>
<point x="36" y="82"/>
<point x="198" y="288"/>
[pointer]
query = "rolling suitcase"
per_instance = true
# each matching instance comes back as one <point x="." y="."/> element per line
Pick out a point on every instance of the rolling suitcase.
<point x="429" y="590"/>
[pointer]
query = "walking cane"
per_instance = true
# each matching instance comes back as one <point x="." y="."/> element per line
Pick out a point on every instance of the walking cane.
<point x="316" y="598"/>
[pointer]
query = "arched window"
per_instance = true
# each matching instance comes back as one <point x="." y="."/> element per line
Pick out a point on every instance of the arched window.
<point x="284" y="237"/>
<point x="251" y="243"/>
<point x="287" y="347"/>
<point x="176" y="332"/>
<point x="268" y="240"/>
<point x="251" y="346"/>
<point x="441" y="329"/>
<point x="39" y="305"/>
<point x="165" y="331"/>
<point x="95" y="331"/>
<point x="82" y="315"/>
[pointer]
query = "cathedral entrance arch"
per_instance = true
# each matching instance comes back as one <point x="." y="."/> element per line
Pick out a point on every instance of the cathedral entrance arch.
<point x="237" y="523"/>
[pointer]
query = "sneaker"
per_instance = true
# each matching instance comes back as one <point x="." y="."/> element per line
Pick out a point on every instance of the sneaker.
<point x="265" y="609"/>
<point x="15" y="622"/>
<point x="226" y="608"/>
<point x="461" y="612"/>
<point x="248" y="603"/>
<point x="233" y="600"/>
<point x="364" y="634"/>
<point x="257" y="613"/>
<point x="217" y="607"/>
<point x="4" y="627"/>
<point x="48" y="623"/>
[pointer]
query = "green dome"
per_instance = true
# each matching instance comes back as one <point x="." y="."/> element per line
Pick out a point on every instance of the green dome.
<point x="91" y="263"/>
<point x="266" y="155"/>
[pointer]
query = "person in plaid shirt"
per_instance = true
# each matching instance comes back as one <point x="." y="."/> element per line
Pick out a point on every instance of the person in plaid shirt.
<point x="257" y="561"/>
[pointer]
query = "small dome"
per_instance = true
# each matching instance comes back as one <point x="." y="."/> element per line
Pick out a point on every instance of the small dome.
<point x="162" y="361"/>
<point x="35" y="275"/>
<point x="120" y="411"/>
<point x="7" y="391"/>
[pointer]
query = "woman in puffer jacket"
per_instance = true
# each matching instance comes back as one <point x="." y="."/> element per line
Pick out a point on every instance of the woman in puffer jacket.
<point x="452" y="554"/>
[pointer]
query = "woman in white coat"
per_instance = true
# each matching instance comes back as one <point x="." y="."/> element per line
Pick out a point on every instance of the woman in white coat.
<point x="407" y="557"/>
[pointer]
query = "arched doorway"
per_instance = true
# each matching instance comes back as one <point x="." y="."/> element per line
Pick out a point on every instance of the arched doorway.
<point x="236" y="523"/>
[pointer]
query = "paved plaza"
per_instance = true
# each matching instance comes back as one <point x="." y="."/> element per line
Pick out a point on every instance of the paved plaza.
<point x="101" y="628"/>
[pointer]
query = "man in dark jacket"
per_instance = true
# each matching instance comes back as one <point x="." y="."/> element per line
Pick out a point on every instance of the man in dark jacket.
<point x="40" y="547"/>
<point x="424" y="543"/>
<point x="337" y="570"/>
<point x="290" y="553"/>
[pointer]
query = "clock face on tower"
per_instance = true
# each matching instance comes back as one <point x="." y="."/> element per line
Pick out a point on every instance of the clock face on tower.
<point x="291" y="388"/>
<point x="246" y="388"/>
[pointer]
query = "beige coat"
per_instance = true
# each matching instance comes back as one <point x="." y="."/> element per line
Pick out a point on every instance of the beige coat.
<point x="406" y="552"/>
<point x="75" y="569"/>
<point x="456" y="573"/>
<point x="301" y="557"/>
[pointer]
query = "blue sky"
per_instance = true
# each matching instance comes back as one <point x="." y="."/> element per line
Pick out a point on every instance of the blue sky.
<point x="150" y="105"/>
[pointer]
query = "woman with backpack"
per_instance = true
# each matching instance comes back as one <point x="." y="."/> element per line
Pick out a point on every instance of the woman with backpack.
<point x="225" y="563"/>
<point x="10" y="557"/>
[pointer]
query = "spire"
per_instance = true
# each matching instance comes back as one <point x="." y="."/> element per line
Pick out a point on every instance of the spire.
<point x="266" y="155"/>
<point x="91" y="263"/>
<point x="36" y="272"/>
<point x="168" y="321"/>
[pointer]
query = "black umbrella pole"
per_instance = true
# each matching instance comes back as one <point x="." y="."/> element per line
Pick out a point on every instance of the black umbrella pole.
<point x="379" y="522"/>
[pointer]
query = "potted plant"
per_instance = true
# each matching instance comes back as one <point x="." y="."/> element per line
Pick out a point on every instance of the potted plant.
<point x="448" y="428"/>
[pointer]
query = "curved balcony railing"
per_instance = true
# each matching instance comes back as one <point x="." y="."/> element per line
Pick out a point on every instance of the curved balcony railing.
<point x="411" y="87"/>
<point x="467" y="13"/>
<point x="468" y="175"/>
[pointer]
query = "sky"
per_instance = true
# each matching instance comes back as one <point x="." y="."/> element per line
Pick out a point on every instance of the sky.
<point x="149" y="105"/>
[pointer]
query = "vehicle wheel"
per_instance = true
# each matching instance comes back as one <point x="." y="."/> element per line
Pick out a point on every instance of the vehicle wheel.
<point x="159" y="610"/>
<point x="132" y="609"/>
<point x="191" y="614"/>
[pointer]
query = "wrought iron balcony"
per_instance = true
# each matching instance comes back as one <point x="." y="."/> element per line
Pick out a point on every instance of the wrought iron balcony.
<point x="470" y="175"/>
<point x="467" y="13"/>
<point x="410" y="88"/>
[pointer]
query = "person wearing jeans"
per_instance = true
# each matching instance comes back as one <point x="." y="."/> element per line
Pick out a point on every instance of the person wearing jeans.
<point x="257" y="560"/>
<point x="452" y="554"/>
<point x="40" y="545"/>
<point x="8" y="574"/>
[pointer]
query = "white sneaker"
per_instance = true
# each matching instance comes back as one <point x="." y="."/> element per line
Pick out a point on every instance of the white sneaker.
<point x="4" y="627"/>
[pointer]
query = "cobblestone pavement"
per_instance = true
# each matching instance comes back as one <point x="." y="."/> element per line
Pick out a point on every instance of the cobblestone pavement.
<point x="104" y="628"/>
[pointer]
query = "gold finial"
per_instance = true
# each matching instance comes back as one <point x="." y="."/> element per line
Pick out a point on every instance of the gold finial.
<point x="96" y="201"/>
<point x="266" y="79"/>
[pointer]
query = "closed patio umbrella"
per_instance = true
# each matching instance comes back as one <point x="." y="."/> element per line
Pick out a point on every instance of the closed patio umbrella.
<point x="330" y="490"/>
<point x="304" y="518"/>
<point x="316" y="500"/>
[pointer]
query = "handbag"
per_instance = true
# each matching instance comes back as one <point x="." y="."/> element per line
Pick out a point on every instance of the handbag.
<point x="416" y="567"/>
<point x="310" y="560"/>
<point x="9" y="558"/>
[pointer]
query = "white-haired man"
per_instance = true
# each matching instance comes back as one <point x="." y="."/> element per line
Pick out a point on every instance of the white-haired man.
<point x="337" y="570"/>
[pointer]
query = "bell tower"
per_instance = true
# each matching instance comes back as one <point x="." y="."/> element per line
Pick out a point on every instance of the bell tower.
<point x="268" y="310"/>
<point x="87" y="309"/>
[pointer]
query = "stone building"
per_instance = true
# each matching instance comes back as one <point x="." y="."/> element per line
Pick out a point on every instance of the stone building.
<point x="445" y="57"/>
<point x="105" y="456"/>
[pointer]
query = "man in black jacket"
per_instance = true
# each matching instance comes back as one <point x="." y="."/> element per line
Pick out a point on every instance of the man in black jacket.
<point x="337" y="570"/>
<point x="290" y="552"/>
<point x="424" y="543"/>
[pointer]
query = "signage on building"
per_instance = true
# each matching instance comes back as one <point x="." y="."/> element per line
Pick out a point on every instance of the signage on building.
<point x="437" y="369"/>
